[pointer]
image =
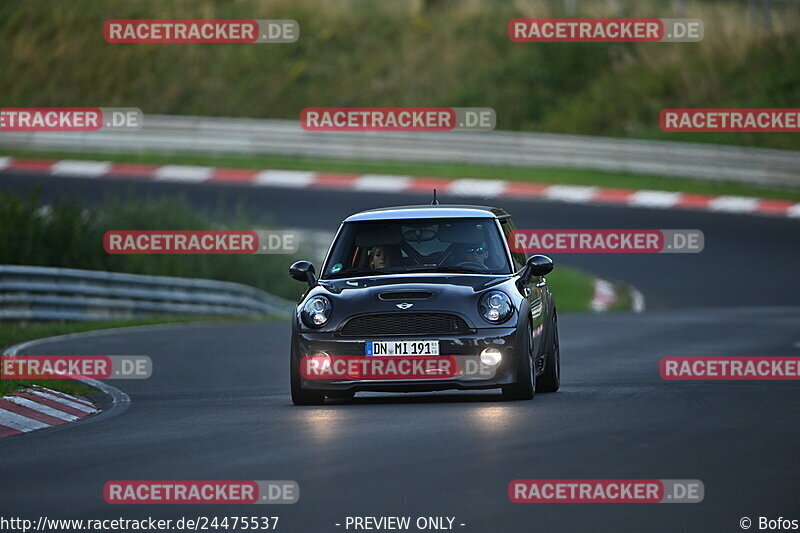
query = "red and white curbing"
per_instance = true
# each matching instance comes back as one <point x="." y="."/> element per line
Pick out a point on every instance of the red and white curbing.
<point x="38" y="408"/>
<point x="606" y="295"/>
<point x="406" y="184"/>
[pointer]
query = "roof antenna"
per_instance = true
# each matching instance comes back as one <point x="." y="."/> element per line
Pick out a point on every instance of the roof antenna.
<point x="435" y="201"/>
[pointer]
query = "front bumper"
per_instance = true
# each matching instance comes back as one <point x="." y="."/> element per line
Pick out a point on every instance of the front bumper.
<point x="468" y="344"/>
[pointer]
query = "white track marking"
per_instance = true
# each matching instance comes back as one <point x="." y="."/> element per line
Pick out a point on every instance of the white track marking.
<point x="64" y="394"/>
<point x="4" y="162"/>
<point x="637" y="301"/>
<point x="604" y="295"/>
<point x="570" y="193"/>
<point x="30" y="404"/>
<point x="285" y="178"/>
<point x="19" y="422"/>
<point x="647" y="198"/>
<point x="733" y="204"/>
<point x="473" y="187"/>
<point x="183" y="173"/>
<point x="68" y="403"/>
<point x="381" y="183"/>
<point x="80" y="169"/>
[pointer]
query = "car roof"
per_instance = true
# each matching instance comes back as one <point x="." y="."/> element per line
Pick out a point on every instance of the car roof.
<point x="428" y="211"/>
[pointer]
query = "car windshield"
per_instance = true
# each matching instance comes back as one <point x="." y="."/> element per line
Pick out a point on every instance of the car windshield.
<point x="467" y="245"/>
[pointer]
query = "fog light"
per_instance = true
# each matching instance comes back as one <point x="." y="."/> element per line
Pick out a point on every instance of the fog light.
<point x="491" y="357"/>
<point x="323" y="359"/>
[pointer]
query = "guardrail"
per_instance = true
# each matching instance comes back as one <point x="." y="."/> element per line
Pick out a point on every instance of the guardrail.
<point x="167" y="133"/>
<point x="46" y="293"/>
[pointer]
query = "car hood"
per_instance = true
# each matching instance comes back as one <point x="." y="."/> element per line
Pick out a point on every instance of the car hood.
<point x="411" y="282"/>
<point x="448" y="293"/>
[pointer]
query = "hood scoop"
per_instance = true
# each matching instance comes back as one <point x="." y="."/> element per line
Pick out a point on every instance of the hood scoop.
<point x="404" y="295"/>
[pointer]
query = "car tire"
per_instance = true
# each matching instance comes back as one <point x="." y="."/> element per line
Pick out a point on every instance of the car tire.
<point x="550" y="379"/>
<point x="525" y="385"/>
<point x="300" y="395"/>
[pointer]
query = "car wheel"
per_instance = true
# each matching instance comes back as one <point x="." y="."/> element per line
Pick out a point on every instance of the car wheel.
<point x="525" y="385"/>
<point x="300" y="395"/>
<point x="550" y="379"/>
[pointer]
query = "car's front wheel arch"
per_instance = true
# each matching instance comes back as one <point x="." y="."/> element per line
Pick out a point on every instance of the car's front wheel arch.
<point x="300" y="395"/>
<point x="524" y="385"/>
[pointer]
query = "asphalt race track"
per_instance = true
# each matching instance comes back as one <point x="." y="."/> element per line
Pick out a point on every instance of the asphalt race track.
<point x="218" y="407"/>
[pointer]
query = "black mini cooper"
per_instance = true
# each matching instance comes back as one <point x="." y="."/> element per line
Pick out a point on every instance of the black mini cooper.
<point x="424" y="298"/>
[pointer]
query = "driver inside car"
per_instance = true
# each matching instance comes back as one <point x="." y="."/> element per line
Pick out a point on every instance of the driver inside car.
<point x="476" y="253"/>
<point x="470" y="253"/>
<point x="383" y="256"/>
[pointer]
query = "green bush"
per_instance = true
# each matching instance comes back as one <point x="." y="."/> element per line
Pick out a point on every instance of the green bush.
<point x="70" y="236"/>
<point x="379" y="53"/>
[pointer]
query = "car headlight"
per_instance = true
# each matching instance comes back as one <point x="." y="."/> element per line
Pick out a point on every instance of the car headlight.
<point x="495" y="307"/>
<point x="316" y="311"/>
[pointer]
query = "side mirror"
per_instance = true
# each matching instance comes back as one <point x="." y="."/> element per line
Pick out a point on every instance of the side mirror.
<point x="537" y="265"/>
<point x="303" y="271"/>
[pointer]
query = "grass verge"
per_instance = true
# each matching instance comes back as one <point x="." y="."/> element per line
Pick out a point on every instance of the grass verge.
<point x="555" y="176"/>
<point x="573" y="289"/>
<point x="67" y="234"/>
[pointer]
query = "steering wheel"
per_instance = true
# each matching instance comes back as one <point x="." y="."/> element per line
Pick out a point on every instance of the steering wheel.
<point x="471" y="264"/>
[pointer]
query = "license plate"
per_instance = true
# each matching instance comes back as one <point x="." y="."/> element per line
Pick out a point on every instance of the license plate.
<point x="381" y="348"/>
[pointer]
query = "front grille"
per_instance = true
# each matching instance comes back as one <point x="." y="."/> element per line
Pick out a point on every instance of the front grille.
<point x="405" y="295"/>
<point x="404" y="324"/>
